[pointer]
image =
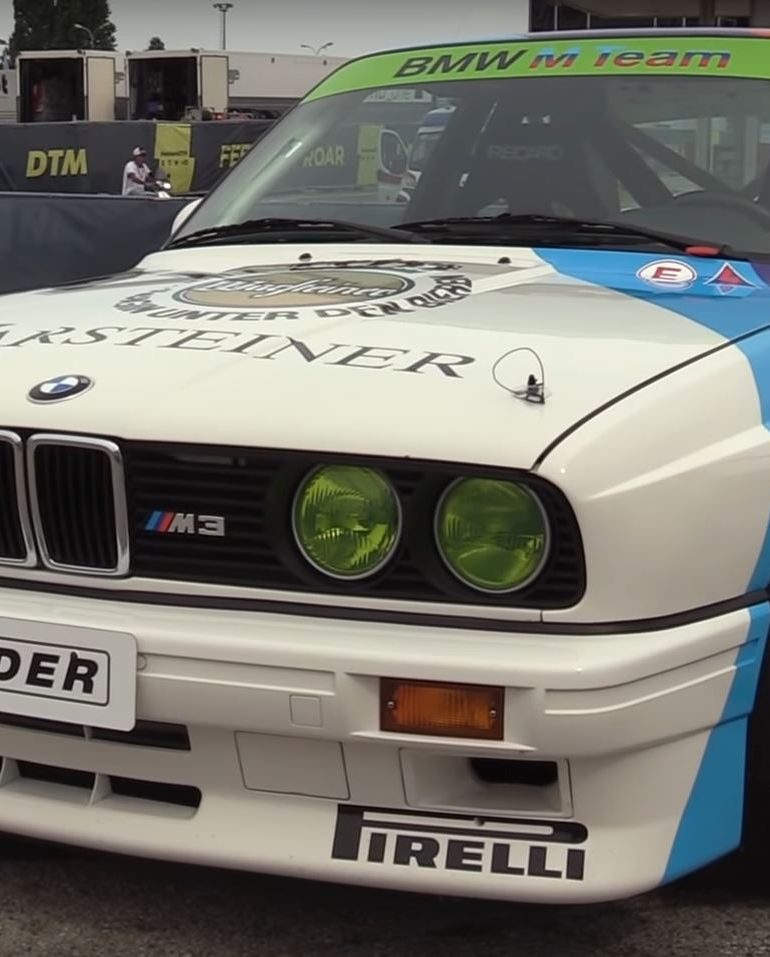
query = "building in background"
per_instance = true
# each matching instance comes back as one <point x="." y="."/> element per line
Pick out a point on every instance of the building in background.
<point x="605" y="15"/>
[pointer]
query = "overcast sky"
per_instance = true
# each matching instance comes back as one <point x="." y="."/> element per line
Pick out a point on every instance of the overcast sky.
<point x="280" y="26"/>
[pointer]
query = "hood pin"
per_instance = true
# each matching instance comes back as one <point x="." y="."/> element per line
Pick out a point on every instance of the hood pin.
<point x="533" y="390"/>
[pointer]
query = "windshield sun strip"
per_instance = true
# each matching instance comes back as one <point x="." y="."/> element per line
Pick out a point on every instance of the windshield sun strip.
<point x="738" y="57"/>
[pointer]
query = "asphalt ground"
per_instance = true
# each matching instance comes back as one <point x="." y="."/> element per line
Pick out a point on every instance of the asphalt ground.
<point x="71" y="903"/>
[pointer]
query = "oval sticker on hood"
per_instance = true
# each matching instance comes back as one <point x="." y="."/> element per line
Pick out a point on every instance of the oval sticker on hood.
<point x="327" y="290"/>
<point x="295" y="288"/>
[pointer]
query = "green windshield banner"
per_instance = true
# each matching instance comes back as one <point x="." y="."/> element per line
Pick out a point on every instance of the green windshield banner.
<point x="652" y="55"/>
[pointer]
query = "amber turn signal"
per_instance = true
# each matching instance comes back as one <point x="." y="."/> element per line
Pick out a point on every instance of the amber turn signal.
<point x="449" y="710"/>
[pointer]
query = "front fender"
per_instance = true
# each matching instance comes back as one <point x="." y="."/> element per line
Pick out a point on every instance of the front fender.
<point x="671" y="488"/>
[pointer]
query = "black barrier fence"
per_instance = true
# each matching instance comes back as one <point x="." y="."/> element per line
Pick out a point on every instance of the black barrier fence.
<point x="50" y="240"/>
<point x="89" y="157"/>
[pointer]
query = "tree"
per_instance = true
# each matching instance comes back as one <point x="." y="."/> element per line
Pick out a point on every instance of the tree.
<point x="50" y="25"/>
<point x="156" y="44"/>
<point x="34" y="25"/>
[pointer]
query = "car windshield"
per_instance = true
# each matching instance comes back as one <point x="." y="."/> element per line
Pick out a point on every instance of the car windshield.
<point x="668" y="133"/>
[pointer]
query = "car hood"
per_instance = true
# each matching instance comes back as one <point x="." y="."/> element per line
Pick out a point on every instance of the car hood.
<point x="427" y="354"/>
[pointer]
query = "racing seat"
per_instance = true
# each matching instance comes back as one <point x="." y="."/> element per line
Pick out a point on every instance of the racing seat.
<point x="527" y="161"/>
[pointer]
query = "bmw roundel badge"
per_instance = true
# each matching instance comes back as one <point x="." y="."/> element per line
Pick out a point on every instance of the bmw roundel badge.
<point x="62" y="387"/>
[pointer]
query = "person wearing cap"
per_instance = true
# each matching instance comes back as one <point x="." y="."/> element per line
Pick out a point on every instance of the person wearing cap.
<point x="136" y="173"/>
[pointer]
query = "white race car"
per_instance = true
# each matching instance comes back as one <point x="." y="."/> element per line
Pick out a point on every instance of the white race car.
<point x="421" y="546"/>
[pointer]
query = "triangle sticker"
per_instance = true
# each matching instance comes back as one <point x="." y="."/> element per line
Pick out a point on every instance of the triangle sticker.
<point x="729" y="276"/>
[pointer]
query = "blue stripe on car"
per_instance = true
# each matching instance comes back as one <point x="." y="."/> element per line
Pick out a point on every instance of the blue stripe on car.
<point x="712" y="820"/>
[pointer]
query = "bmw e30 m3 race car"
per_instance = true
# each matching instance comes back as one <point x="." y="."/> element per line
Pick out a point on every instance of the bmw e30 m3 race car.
<point x="420" y="545"/>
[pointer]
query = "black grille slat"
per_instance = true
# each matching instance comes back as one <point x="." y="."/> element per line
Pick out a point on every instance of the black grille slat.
<point x="41" y="724"/>
<point x="76" y="506"/>
<point x="70" y="518"/>
<point x="145" y="734"/>
<point x="54" y="775"/>
<point x="178" y="794"/>
<point x="148" y="734"/>
<point x="11" y="538"/>
<point x="253" y="490"/>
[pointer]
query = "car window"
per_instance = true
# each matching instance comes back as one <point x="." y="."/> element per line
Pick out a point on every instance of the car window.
<point x="735" y="148"/>
<point x="667" y="150"/>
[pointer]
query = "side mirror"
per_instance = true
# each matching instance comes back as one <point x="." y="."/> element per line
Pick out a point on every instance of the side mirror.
<point x="184" y="214"/>
<point x="393" y="152"/>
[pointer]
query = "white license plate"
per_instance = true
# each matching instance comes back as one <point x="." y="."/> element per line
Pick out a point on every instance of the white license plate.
<point x="78" y="675"/>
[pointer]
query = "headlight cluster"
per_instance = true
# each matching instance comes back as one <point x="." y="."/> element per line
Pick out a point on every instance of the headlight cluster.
<point x="492" y="534"/>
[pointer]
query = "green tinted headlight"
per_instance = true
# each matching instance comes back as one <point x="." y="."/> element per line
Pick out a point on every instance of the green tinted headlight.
<point x="347" y="520"/>
<point x="492" y="534"/>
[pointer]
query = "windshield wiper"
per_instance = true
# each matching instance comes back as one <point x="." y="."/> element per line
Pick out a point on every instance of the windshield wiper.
<point x="543" y="229"/>
<point x="532" y="228"/>
<point x="317" y="230"/>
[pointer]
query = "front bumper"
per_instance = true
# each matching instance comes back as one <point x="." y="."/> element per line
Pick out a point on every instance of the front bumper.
<point x="295" y="777"/>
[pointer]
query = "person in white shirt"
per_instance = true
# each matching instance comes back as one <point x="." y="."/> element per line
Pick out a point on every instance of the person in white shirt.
<point x="136" y="173"/>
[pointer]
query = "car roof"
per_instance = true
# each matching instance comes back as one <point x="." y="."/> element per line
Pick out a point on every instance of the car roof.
<point x="553" y="35"/>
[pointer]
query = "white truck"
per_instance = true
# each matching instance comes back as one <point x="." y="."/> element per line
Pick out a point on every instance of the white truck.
<point x="64" y="85"/>
<point x="196" y="84"/>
